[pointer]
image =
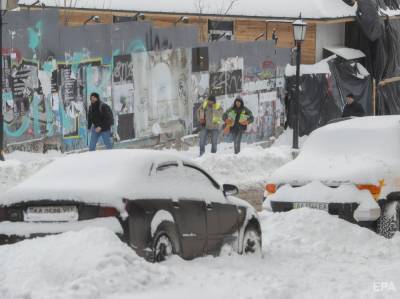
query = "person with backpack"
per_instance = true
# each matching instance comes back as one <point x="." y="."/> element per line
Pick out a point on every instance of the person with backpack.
<point x="236" y="120"/>
<point x="100" y="121"/>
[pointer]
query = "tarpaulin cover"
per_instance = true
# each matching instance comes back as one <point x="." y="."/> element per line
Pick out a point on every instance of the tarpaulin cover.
<point x="322" y="96"/>
<point x="388" y="96"/>
<point x="389" y="4"/>
<point x="349" y="78"/>
<point x="314" y="92"/>
<point x="368" y="18"/>
<point x="381" y="49"/>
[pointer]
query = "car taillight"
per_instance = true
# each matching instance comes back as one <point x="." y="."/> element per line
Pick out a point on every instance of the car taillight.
<point x="271" y="188"/>
<point x="375" y="190"/>
<point x="108" y="212"/>
<point x="3" y="214"/>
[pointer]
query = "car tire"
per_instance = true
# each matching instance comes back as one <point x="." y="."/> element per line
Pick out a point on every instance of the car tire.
<point x="252" y="241"/>
<point x="389" y="222"/>
<point x="165" y="242"/>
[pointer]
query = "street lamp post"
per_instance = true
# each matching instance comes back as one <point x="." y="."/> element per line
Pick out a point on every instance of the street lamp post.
<point x="2" y="11"/>
<point x="299" y="32"/>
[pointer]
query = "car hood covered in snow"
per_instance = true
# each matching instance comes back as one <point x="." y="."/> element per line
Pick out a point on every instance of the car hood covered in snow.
<point x="360" y="150"/>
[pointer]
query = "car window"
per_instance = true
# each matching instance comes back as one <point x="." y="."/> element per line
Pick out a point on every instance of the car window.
<point x="167" y="169"/>
<point x="196" y="175"/>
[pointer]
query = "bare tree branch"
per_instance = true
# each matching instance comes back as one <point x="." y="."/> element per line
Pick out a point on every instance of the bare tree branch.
<point x="230" y="6"/>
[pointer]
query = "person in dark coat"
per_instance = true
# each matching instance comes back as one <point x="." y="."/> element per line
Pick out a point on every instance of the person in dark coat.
<point x="100" y="121"/>
<point x="352" y="108"/>
<point x="236" y="120"/>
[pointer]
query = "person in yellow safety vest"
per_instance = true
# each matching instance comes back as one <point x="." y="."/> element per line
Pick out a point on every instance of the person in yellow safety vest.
<point x="236" y="120"/>
<point x="210" y="116"/>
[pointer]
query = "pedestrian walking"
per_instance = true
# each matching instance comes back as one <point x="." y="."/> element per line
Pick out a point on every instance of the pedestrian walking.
<point x="100" y="121"/>
<point x="210" y="116"/>
<point x="236" y="119"/>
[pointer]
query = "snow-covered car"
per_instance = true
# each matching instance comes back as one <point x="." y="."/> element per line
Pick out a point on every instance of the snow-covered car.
<point x="350" y="169"/>
<point x="156" y="202"/>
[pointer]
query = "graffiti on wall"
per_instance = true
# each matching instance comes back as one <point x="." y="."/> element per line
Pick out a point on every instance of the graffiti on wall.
<point x="46" y="91"/>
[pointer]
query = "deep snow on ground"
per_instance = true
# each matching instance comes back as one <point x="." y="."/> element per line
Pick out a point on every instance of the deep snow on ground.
<point x="323" y="257"/>
<point x="86" y="264"/>
<point x="306" y="253"/>
<point x="251" y="167"/>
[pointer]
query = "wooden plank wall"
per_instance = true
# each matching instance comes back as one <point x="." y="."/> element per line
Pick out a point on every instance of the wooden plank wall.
<point x="284" y="30"/>
<point x="245" y="30"/>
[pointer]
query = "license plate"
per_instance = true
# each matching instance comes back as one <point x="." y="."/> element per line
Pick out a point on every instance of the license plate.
<point x="311" y="205"/>
<point x="51" y="214"/>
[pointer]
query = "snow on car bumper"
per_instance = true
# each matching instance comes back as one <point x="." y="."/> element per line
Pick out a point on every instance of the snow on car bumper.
<point x="343" y="210"/>
<point x="11" y="232"/>
<point x="353" y="212"/>
<point x="346" y="200"/>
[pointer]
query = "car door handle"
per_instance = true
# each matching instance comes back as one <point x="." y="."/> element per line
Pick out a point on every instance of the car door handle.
<point x="175" y="204"/>
<point x="209" y="206"/>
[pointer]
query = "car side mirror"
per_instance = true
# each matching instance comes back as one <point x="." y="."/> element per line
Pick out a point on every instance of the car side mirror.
<point x="230" y="189"/>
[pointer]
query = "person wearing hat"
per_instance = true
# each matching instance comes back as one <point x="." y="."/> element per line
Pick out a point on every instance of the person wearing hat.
<point x="209" y="115"/>
<point x="352" y="108"/>
<point x="236" y="119"/>
<point x="100" y="121"/>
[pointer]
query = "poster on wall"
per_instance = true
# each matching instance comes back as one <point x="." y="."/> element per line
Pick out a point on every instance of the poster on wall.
<point x="123" y="96"/>
<point x="200" y="91"/>
<point x="162" y="81"/>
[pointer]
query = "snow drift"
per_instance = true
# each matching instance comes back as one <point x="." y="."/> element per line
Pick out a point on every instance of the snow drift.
<point x="92" y="263"/>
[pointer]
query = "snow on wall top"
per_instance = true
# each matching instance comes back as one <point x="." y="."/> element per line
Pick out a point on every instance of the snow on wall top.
<point x="321" y="67"/>
<point x="310" y="9"/>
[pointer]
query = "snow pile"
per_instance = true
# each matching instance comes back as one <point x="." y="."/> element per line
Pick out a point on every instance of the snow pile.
<point x="250" y="168"/>
<point x="317" y="234"/>
<point x="92" y="263"/>
<point x="307" y="254"/>
<point x="21" y="165"/>
<point x="321" y="67"/>
<point x="286" y="139"/>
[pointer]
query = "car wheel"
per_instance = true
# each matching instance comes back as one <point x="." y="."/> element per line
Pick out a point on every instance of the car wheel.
<point x="165" y="242"/>
<point x="252" y="241"/>
<point x="389" y="222"/>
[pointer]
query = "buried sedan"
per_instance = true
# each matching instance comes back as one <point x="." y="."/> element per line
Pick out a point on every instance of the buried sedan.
<point x="158" y="203"/>
<point x="350" y="169"/>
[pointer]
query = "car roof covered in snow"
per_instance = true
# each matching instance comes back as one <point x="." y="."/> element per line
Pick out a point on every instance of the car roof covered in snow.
<point x="360" y="150"/>
<point x="102" y="177"/>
